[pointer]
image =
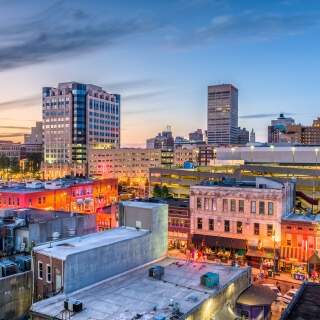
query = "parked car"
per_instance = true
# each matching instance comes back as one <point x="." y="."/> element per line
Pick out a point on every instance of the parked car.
<point x="274" y="289"/>
<point x="289" y="295"/>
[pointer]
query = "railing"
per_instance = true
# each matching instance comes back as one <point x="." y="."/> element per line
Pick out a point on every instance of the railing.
<point x="306" y="198"/>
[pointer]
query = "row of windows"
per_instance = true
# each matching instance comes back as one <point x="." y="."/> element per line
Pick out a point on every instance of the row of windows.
<point x="182" y="223"/>
<point x="59" y="113"/>
<point x="40" y="271"/>
<point x="206" y="204"/>
<point x="303" y="243"/>
<point x="256" y="226"/>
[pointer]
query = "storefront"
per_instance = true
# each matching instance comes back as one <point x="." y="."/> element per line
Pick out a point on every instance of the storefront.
<point x="314" y="263"/>
<point x="220" y="247"/>
<point x="295" y="267"/>
<point x="261" y="259"/>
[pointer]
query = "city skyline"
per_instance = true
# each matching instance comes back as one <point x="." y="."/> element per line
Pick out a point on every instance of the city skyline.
<point x="161" y="57"/>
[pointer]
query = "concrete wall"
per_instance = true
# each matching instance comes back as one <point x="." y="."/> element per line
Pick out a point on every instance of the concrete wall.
<point x="15" y="295"/>
<point x="42" y="232"/>
<point x="119" y="257"/>
<point x="227" y="294"/>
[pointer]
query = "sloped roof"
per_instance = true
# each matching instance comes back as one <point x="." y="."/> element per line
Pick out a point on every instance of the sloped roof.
<point x="257" y="295"/>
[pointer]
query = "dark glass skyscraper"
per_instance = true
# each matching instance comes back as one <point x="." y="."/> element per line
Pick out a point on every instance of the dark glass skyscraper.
<point x="222" y="114"/>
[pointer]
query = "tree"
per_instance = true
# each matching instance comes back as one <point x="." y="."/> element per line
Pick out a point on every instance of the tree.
<point x="165" y="192"/>
<point x="15" y="165"/>
<point x="157" y="191"/>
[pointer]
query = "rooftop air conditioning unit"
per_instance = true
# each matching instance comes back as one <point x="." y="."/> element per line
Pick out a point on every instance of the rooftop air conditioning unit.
<point x="73" y="304"/>
<point x="25" y="263"/>
<point x="156" y="272"/>
<point x="7" y="268"/>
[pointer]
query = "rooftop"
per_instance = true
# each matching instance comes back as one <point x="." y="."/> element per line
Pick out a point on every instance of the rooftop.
<point x="306" y="217"/>
<point x="305" y="304"/>
<point x="135" y="295"/>
<point x="62" y="249"/>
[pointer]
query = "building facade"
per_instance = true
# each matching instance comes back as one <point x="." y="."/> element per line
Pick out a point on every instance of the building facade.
<point x="240" y="217"/>
<point x="76" y="117"/>
<point x="277" y="130"/>
<point x="222" y="118"/>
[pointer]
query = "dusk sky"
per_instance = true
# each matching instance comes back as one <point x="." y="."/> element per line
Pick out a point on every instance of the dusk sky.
<point x="160" y="56"/>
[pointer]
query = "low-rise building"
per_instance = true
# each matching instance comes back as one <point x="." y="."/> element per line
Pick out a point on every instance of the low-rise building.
<point x="240" y="218"/>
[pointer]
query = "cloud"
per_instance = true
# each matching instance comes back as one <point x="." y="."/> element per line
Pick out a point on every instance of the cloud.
<point x="59" y="32"/>
<point x="21" y="103"/>
<point x="145" y="95"/>
<point x="263" y="115"/>
<point x="12" y="135"/>
<point x="131" y="85"/>
<point x="249" y="26"/>
<point x="15" y="127"/>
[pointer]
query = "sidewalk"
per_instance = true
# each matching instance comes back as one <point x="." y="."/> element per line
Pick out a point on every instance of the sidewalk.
<point x="175" y="253"/>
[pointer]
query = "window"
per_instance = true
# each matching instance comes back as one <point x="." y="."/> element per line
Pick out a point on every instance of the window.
<point x="261" y="207"/>
<point x="48" y="274"/>
<point x="256" y="229"/>
<point x="318" y="243"/>
<point x="253" y="207"/>
<point x="199" y="203"/>
<point x="239" y="226"/>
<point x="44" y="200"/>
<point x="269" y="230"/>
<point x="310" y="242"/>
<point x="40" y="270"/>
<point x="227" y="226"/>
<point x="270" y="208"/>
<point x="39" y="200"/>
<point x="289" y="240"/>
<point x="241" y="206"/>
<point x="199" y="223"/>
<point x="30" y="202"/>
<point x="233" y="205"/>
<point x="206" y="203"/>
<point x="211" y="224"/>
<point x="214" y="204"/>
<point x="299" y="241"/>
<point x="225" y="204"/>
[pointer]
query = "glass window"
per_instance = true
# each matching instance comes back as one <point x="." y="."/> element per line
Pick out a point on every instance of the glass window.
<point x="318" y="243"/>
<point x="310" y="242"/>
<point x="40" y="270"/>
<point x="199" y="223"/>
<point x="199" y="203"/>
<point x="227" y="226"/>
<point x="289" y="240"/>
<point x="206" y="203"/>
<point x="48" y="274"/>
<point x="241" y="206"/>
<point x="211" y="224"/>
<point x="269" y="230"/>
<point x="214" y="204"/>
<point x="256" y="229"/>
<point x="261" y="207"/>
<point x="239" y="226"/>
<point x="233" y="205"/>
<point x="253" y="207"/>
<point x="299" y="241"/>
<point x="39" y="200"/>
<point x="270" y="208"/>
<point x="225" y="204"/>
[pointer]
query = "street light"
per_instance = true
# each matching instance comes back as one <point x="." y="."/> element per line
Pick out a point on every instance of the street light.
<point x="252" y="147"/>
<point x="272" y="154"/>
<point x="316" y="151"/>
<point x="293" y="148"/>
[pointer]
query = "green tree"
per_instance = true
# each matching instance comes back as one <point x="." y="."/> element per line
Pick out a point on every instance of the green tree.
<point x="15" y="165"/>
<point x="157" y="191"/>
<point x="165" y="192"/>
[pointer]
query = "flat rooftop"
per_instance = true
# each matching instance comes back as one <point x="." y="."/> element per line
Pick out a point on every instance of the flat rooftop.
<point x="62" y="249"/>
<point x="134" y="294"/>
<point x="311" y="218"/>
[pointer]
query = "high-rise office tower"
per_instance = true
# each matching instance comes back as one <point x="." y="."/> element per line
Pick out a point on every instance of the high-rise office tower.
<point x="77" y="117"/>
<point x="222" y="114"/>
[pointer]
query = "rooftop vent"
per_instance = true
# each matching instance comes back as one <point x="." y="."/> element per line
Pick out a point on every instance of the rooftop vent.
<point x="209" y="279"/>
<point x="156" y="272"/>
<point x="73" y="304"/>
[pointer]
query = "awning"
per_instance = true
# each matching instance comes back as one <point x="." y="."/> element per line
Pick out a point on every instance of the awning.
<point x="216" y="241"/>
<point x="259" y="254"/>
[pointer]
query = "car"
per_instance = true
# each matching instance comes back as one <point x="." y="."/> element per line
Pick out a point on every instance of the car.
<point x="289" y="295"/>
<point x="274" y="289"/>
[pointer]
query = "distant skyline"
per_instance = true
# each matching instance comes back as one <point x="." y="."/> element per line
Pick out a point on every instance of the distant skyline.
<point x="161" y="56"/>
